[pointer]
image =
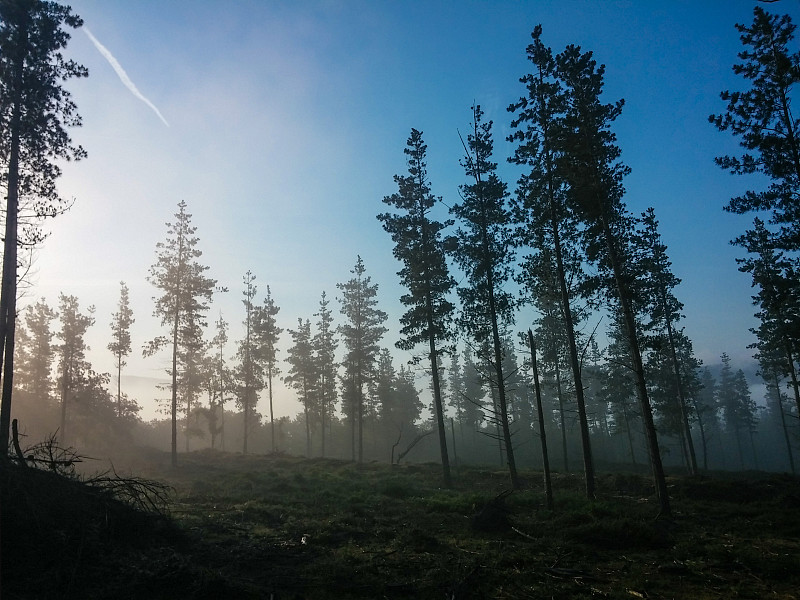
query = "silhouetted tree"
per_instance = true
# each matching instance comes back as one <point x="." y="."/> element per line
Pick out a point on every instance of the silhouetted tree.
<point x="665" y="312"/>
<point x="419" y="246"/>
<point x="35" y="110"/>
<point x="540" y="208"/>
<point x="120" y="345"/>
<point x="72" y="364"/>
<point x="249" y="370"/>
<point x="325" y="344"/>
<point x="267" y="335"/>
<point x="361" y="332"/>
<point x="485" y="254"/>
<point x="35" y="354"/>
<point x="186" y="295"/>
<point x="761" y="117"/>
<point x="302" y="375"/>
<point x="593" y="173"/>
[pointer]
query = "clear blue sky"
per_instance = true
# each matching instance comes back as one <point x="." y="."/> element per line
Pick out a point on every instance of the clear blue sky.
<point x="287" y="121"/>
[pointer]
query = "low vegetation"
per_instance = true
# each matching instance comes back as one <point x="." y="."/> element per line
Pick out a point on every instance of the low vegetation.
<point x="284" y="527"/>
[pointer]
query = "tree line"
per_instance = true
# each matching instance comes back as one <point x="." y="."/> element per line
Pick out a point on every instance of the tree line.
<point x="563" y="237"/>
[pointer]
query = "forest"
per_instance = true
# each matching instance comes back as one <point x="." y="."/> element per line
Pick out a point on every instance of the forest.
<point x="567" y="437"/>
<point x="606" y="381"/>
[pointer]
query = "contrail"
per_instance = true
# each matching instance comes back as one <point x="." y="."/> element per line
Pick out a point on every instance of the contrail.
<point x="123" y="76"/>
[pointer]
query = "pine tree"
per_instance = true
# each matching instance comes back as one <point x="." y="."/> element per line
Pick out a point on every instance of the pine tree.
<point x="361" y="333"/>
<point x="267" y="335"/>
<point x="36" y="354"/>
<point x="325" y="344"/>
<point x="485" y="255"/>
<point x="72" y="365"/>
<point x="302" y="375"/>
<point x="186" y="293"/>
<point x="35" y="110"/>
<point x="593" y="174"/>
<point x="419" y="246"/>
<point x="761" y="117"/>
<point x="665" y="312"/>
<point x="120" y="345"/>
<point x="219" y="382"/>
<point x="249" y="371"/>
<point x="540" y="208"/>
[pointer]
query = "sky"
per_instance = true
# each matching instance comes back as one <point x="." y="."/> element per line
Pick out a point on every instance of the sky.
<point x="282" y="124"/>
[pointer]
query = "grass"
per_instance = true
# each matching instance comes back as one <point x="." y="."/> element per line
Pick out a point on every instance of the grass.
<point x="282" y="527"/>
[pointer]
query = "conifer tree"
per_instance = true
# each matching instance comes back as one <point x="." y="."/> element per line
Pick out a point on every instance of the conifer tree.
<point x="361" y="332"/>
<point x="267" y="335"/>
<point x="72" y="364"/>
<point x="325" y="345"/>
<point x="36" y="354"/>
<point x="419" y="246"/>
<point x="665" y="312"/>
<point x="485" y="254"/>
<point x="590" y="160"/>
<point x="186" y="293"/>
<point x="249" y="371"/>
<point x="219" y="381"/>
<point x="302" y="374"/>
<point x="761" y="117"/>
<point x="35" y="110"/>
<point x="546" y="222"/>
<point x="120" y="345"/>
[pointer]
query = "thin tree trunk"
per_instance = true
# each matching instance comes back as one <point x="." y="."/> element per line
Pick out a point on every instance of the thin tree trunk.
<point x="437" y="397"/>
<point x="548" y="488"/>
<point x="562" y="416"/>
<point x="174" y="403"/>
<point x="783" y="424"/>
<point x="703" y="439"/>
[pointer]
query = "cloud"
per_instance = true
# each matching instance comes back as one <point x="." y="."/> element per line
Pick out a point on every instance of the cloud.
<point x="123" y="76"/>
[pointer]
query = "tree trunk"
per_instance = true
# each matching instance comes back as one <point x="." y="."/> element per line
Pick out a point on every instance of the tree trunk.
<point x="542" y="434"/>
<point x="687" y="430"/>
<point x="638" y="369"/>
<point x="8" y="290"/>
<point x="783" y="424"/>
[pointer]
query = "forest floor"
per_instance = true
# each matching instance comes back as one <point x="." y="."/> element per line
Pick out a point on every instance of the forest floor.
<point x="278" y="527"/>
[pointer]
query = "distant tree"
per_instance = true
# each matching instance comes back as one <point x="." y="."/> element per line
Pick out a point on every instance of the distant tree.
<point x="546" y="221"/>
<point x="186" y="296"/>
<point x="473" y="394"/>
<point x="267" y="334"/>
<point x="776" y="277"/>
<point x="485" y="254"/>
<point x="35" y="110"/>
<point x="120" y="345"/>
<point x="771" y="373"/>
<point x="249" y="370"/>
<point x="456" y="398"/>
<point x="325" y="344"/>
<point x="219" y="382"/>
<point x="665" y="312"/>
<point x="704" y="401"/>
<point x="302" y="374"/>
<point x="361" y="333"/>
<point x="618" y="389"/>
<point x="72" y="364"/>
<point x="419" y="246"/>
<point x="738" y="408"/>
<point x="36" y="353"/>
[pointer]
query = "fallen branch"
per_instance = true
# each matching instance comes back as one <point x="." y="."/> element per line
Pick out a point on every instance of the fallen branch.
<point x="416" y="441"/>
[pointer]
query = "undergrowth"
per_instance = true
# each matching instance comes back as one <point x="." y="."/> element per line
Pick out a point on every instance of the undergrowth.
<point x="283" y="527"/>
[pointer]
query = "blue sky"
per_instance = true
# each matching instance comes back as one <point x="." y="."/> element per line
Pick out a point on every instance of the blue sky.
<point x="287" y="121"/>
